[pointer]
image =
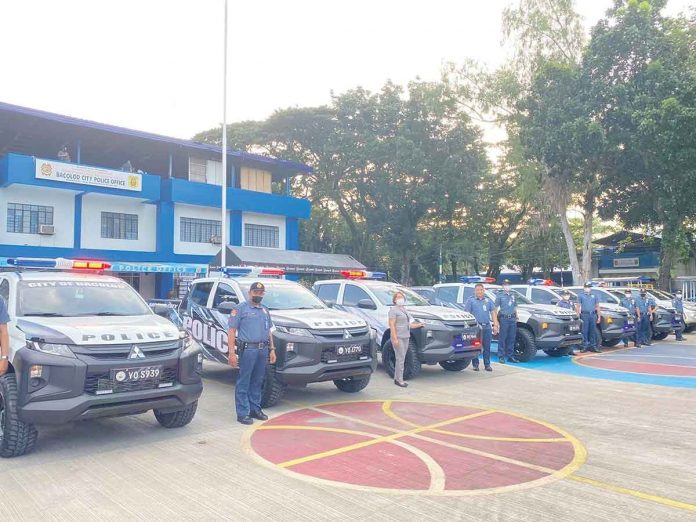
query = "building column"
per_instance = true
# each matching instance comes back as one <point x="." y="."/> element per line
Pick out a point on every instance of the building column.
<point x="236" y="228"/>
<point x="165" y="246"/>
<point x="292" y="233"/>
<point x="77" y="222"/>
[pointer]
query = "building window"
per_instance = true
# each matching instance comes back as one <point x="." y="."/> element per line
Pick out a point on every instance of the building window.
<point x="115" y="225"/>
<point x="194" y="230"/>
<point x="25" y="219"/>
<point x="261" y="236"/>
<point x="255" y="179"/>
<point x="197" y="168"/>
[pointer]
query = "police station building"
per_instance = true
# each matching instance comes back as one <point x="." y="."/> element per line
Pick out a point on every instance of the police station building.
<point x="147" y="204"/>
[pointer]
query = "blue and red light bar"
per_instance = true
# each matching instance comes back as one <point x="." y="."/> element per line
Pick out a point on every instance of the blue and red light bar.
<point x="251" y="271"/>
<point x="362" y="274"/>
<point x="477" y="279"/>
<point x="540" y="282"/>
<point x="58" y="263"/>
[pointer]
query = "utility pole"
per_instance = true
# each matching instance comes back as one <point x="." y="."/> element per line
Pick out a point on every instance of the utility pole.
<point x="223" y="228"/>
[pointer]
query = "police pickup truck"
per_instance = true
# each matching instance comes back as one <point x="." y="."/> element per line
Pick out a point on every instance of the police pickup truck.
<point x="665" y="316"/>
<point x="85" y="345"/>
<point x="313" y="343"/>
<point x="539" y="327"/>
<point x="615" y="324"/>
<point x="450" y="338"/>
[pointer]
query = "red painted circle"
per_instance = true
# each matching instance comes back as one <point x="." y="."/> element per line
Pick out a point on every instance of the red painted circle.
<point x="421" y="447"/>
<point x="638" y="366"/>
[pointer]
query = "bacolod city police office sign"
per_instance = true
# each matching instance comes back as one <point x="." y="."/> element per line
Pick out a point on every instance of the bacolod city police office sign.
<point x="85" y="175"/>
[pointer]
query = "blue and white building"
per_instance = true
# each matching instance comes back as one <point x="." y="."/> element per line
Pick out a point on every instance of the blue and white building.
<point x="148" y="204"/>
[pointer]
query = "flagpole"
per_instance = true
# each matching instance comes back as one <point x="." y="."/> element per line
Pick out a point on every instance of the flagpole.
<point x="223" y="229"/>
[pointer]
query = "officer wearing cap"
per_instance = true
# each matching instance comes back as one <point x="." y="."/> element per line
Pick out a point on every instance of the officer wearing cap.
<point x="566" y="303"/>
<point x="250" y="333"/>
<point x="630" y="304"/>
<point x="587" y="307"/>
<point x="505" y="315"/>
<point x="644" y="334"/>
<point x="678" y="305"/>
<point x="481" y="307"/>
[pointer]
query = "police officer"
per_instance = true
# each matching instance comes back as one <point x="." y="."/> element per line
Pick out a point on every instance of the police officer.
<point x="588" y="309"/>
<point x="630" y="304"/>
<point x="505" y="317"/>
<point x="4" y="337"/>
<point x="678" y="305"/>
<point x="566" y="303"/>
<point x="250" y="332"/>
<point x="482" y="309"/>
<point x="644" y="332"/>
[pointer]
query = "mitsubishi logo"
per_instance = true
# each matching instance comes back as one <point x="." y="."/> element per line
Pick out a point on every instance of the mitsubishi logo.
<point x="347" y="334"/>
<point x="136" y="353"/>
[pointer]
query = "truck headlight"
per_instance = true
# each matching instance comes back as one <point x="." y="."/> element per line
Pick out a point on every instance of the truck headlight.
<point x="52" y="349"/>
<point x="546" y="317"/>
<point x="302" y="332"/>
<point x="373" y="334"/>
<point x="430" y="322"/>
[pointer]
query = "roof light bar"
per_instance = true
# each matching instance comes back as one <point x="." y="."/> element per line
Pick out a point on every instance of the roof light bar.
<point x="58" y="263"/>
<point x="251" y="271"/>
<point x="477" y="279"/>
<point x="363" y="274"/>
<point x="540" y="282"/>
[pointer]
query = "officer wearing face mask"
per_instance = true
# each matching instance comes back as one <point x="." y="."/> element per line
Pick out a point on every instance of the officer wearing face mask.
<point x="250" y="345"/>
<point x="644" y="334"/>
<point x="566" y="303"/>
<point x="678" y="305"/>
<point x="506" y="313"/>
<point x="587" y="308"/>
<point x="630" y="304"/>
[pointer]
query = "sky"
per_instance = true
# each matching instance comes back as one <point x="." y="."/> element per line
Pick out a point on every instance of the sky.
<point x="156" y="65"/>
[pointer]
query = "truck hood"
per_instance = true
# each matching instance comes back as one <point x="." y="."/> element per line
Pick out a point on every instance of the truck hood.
<point x="613" y="307"/>
<point x="325" y="319"/>
<point x="98" y="330"/>
<point x="439" y="312"/>
<point x="547" y="309"/>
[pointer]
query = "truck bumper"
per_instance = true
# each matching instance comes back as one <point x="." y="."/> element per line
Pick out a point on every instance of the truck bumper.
<point x="439" y="344"/>
<point x="66" y="390"/>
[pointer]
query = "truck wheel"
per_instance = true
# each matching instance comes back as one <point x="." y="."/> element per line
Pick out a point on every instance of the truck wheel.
<point x="352" y="384"/>
<point x="610" y="343"/>
<point x="455" y="366"/>
<point x="16" y="437"/>
<point x="558" y="352"/>
<point x="660" y="336"/>
<point x="525" y="345"/>
<point x="273" y="389"/>
<point x="178" y="418"/>
<point x="412" y="366"/>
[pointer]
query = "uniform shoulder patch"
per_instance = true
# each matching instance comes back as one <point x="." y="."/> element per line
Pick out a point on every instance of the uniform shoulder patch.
<point x="234" y="312"/>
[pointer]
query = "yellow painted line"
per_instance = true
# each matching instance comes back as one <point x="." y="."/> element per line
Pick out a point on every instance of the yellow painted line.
<point x="263" y="427"/>
<point x="635" y="493"/>
<point x="385" y="438"/>
<point x="386" y="408"/>
<point x="599" y="368"/>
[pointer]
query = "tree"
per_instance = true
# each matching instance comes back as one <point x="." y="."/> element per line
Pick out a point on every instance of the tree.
<point x="643" y="80"/>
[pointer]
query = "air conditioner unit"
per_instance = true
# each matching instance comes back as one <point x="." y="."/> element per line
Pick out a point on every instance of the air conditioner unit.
<point x="216" y="240"/>
<point x="47" y="230"/>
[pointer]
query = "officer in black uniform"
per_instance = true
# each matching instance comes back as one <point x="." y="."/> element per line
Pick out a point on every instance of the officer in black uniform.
<point x="678" y="304"/>
<point x="250" y="333"/>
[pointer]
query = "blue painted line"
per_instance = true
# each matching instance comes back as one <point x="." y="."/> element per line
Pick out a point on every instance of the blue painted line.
<point x="565" y="365"/>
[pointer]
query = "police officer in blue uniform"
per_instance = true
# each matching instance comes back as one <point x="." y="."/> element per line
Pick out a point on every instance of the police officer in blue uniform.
<point x="630" y="304"/>
<point x="644" y="333"/>
<point x="566" y="303"/>
<point x="482" y="309"/>
<point x="588" y="309"/>
<point x="678" y="305"/>
<point x="4" y="337"/>
<point x="506" y="315"/>
<point x="250" y="334"/>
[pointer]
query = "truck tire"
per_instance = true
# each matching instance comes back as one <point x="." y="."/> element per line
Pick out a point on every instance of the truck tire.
<point x="660" y="336"/>
<point x="558" y="352"/>
<point x="352" y="384"/>
<point x="455" y="366"/>
<point x="273" y="389"/>
<point x="16" y="437"/>
<point x="178" y="418"/>
<point x="412" y="365"/>
<point x="610" y="343"/>
<point x="525" y="345"/>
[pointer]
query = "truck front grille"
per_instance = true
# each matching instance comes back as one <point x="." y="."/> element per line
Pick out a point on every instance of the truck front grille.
<point x="121" y="351"/>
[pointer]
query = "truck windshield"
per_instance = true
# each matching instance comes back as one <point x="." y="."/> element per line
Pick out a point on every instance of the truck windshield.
<point x="385" y="293"/>
<point x="286" y="296"/>
<point x="492" y="293"/>
<point x="78" y="298"/>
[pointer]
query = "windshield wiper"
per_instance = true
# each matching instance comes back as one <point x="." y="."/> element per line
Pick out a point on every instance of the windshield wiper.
<point x="44" y="314"/>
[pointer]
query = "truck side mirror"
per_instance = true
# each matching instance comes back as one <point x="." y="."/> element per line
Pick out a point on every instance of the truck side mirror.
<point x="226" y="307"/>
<point x="329" y="302"/>
<point x="367" y="304"/>
<point x="554" y="301"/>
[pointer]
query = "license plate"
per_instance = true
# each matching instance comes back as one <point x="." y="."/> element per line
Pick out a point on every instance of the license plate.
<point x="349" y="350"/>
<point x="677" y="317"/>
<point x="629" y="323"/>
<point x="143" y="373"/>
<point x="460" y="342"/>
<point x="574" y="328"/>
